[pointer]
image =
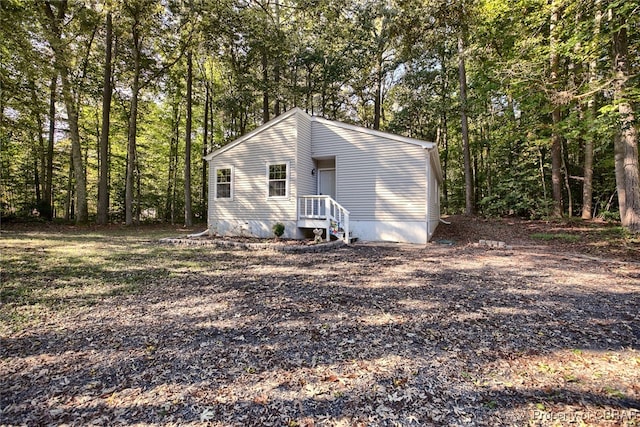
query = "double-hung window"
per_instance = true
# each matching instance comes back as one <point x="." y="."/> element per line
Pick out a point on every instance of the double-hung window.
<point x="278" y="179"/>
<point x="224" y="183"/>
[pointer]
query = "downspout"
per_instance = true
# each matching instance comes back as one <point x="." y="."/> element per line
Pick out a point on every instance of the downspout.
<point x="202" y="233"/>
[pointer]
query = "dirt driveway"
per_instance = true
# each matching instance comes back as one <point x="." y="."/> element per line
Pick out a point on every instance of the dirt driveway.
<point x="378" y="335"/>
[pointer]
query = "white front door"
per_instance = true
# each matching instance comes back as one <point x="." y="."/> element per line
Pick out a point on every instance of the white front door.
<point x="327" y="182"/>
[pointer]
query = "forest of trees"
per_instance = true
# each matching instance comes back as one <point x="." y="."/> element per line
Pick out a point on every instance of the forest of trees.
<point x="109" y="105"/>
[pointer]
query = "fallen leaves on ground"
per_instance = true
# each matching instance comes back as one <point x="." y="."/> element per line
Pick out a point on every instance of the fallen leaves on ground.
<point x="363" y="335"/>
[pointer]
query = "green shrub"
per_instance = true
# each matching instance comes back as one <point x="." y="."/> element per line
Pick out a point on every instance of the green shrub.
<point x="278" y="229"/>
<point x="610" y="216"/>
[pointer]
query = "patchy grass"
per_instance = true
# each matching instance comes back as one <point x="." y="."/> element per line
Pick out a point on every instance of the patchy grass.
<point x="44" y="273"/>
<point x="566" y="237"/>
<point x="102" y="327"/>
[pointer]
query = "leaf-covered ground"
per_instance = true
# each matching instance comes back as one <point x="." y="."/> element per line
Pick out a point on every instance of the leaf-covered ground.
<point x="105" y="327"/>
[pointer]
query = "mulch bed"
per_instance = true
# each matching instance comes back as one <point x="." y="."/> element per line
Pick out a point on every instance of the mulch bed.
<point x="252" y="243"/>
<point x="370" y="334"/>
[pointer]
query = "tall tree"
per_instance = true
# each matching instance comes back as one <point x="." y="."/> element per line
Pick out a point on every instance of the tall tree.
<point x="135" y="11"/>
<point x="153" y="52"/>
<point x="533" y="88"/>
<point x="103" y="157"/>
<point x="205" y="150"/>
<point x="591" y="112"/>
<point x="54" y="19"/>
<point x="188" y="219"/>
<point x="469" y="199"/>
<point x="48" y="178"/>
<point x="556" y="138"/>
<point x="626" y="139"/>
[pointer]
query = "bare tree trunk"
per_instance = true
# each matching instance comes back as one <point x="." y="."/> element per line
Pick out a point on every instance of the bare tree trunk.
<point x="48" y="179"/>
<point x="542" y="177"/>
<point x="587" y="173"/>
<point x="205" y="148"/>
<point x="39" y="151"/>
<point x="512" y="116"/>
<point x="265" y="87"/>
<point x="36" y="167"/>
<point x="489" y="172"/>
<point x="103" y="158"/>
<point x="69" y="199"/>
<point x="556" y="167"/>
<point x="444" y="133"/>
<point x="309" y="100"/>
<point x="587" y="186"/>
<point x="276" y="68"/>
<point x="168" y="206"/>
<point x="626" y="155"/>
<point x="377" y="101"/>
<point x="76" y="152"/>
<point x="556" y="139"/>
<point x="133" y="123"/>
<point x="188" y="218"/>
<point x="565" y="173"/>
<point x="61" y="64"/>
<point x="618" y="153"/>
<point x="138" y="194"/>
<point x="277" y="110"/>
<point x="174" y="196"/>
<point x="468" y="178"/>
<point x="173" y="166"/>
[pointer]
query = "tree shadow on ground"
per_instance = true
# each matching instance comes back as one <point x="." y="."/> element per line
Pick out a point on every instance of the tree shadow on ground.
<point x="366" y="334"/>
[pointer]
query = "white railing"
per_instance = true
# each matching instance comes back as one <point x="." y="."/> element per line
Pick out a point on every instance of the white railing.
<point x="324" y="208"/>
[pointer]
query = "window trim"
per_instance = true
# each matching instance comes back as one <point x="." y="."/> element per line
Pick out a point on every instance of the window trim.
<point x="287" y="180"/>
<point x="232" y="183"/>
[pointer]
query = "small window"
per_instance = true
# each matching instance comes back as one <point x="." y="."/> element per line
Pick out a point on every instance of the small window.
<point x="278" y="178"/>
<point x="224" y="182"/>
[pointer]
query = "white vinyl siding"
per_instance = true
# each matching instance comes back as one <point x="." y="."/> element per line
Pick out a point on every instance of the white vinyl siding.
<point x="306" y="182"/>
<point x="388" y="183"/>
<point x="379" y="179"/>
<point x="275" y="144"/>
